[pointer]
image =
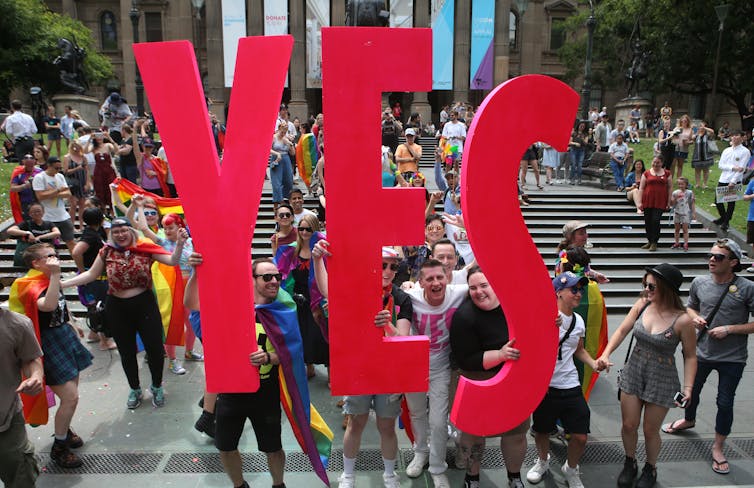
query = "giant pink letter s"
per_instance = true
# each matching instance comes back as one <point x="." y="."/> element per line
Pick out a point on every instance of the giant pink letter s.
<point x="220" y="202"/>
<point x="508" y="121"/>
<point x="358" y="64"/>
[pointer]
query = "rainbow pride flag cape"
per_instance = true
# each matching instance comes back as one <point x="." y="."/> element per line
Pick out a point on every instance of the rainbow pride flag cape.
<point x="24" y="294"/>
<point x="15" y="198"/>
<point x="592" y="309"/>
<point x="280" y="322"/>
<point x="127" y="189"/>
<point x="167" y="283"/>
<point x="307" y="155"/>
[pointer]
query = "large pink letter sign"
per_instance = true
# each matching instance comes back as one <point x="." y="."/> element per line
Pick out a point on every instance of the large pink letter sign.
<point x="511" y="112"/>
<point x="221" y="202"/>
<point x="358" y="64"/>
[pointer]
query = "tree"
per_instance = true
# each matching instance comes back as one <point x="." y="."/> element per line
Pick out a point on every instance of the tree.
<point x="29" y="34"/>
<point x="682" y="36"/>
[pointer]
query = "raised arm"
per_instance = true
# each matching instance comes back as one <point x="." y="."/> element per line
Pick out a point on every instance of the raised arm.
<point x="174" y="258"/>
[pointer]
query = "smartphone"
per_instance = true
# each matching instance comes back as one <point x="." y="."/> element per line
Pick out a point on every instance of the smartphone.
<point x="679" y="399"/>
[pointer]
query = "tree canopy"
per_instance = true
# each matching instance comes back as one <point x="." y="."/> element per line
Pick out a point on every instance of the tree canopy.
<point x="29" y="34"/>
<point x="682" y="36"/>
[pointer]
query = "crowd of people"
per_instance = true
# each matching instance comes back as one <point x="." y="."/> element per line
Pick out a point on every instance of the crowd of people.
<point x="435" y="290"/>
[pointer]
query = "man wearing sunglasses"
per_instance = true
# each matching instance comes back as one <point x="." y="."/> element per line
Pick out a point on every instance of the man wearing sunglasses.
<point x="722" y="340"/>
<point x="395" y="319"/>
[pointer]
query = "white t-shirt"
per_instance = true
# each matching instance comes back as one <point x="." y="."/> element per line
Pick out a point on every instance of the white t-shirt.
<point x="434" y="322"/>
<point x="54" y="207"/>
<point x="565" y="375"/>
<point x="460" y="276"/>
<point x="297" y="217"/>
<point x="459" y="237"/>
<point x="452" y="131"/>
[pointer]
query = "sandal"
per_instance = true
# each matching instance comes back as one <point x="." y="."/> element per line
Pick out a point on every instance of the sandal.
<point x="540" y="187"/>
<point x="672" y="429"/>
<point x="717" y="466"/>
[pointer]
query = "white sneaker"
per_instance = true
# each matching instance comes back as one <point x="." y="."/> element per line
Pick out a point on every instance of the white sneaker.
<point x="391" y="480"/>
<point x="750" y="269"/>
<point x="540" y="468"/>
<point x="346" y="481"/>
<point x="417" y="465"/>
<point x="175" y="367"/>
<point x="572" y="476"/>
<point x="440" y="480"/>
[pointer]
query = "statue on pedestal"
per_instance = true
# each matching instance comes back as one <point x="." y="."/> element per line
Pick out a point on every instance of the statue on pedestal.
<point x="70" y="62"/>
<point x="639" y="68"/>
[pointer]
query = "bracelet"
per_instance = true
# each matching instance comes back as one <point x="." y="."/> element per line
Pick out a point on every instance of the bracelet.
<point x="269" y="359"/>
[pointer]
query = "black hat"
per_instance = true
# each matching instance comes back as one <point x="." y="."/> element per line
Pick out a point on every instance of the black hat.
<point x="53" y="160"/>
<point x="669" y="274"/>
<point x="120" y="222"/>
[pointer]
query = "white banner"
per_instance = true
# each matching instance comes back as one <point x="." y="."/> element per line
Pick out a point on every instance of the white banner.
<point x="402" y="13"/>
<point x="234" y="28"/>
<point x="730" y="193"/>
<point x="317" y="16"/>
<point x="276" y="20"/>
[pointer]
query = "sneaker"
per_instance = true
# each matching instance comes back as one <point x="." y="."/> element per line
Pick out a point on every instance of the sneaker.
<point x="417" y="465"/>
<point x="440" y="480"/>
<point x="158" y="396"/>
<point x="175" y="367"/>
<point x="572" y="476"/>
<point x="468" y="483"/>
<point x="73" y="440"/>
<point x="675" y="246"/>
<point x="206" y="424"/>
<point x="515" y="483"/>
<point x="134" y="399"/>
<point x="750" y="269"/>
<point x="653" y="247"/>
<point x="648" y="477"/>
<point x="391" y="480"/>
<point x="193" y="356"/>
<point x="63" y="456"/>
<point x="346" y="481"/>
<point x="539" y="470"/>
<point x="628" y="475"/>
<point x="646" y="246"/>
<point x="460" y="460"/>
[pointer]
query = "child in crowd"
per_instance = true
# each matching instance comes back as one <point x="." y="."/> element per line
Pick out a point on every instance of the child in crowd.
<point x="684" y="210"/>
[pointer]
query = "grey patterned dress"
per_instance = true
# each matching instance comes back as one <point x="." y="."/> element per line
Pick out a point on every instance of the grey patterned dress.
<point x="651" y="373"/>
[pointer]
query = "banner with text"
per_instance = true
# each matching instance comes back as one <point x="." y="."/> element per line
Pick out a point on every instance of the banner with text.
<point x="482" y="47"/>
<point x="317" y="16"/>
<point x="234" y="28"/>
<point x="276" y="20"/>
<point x="443" y="15"/>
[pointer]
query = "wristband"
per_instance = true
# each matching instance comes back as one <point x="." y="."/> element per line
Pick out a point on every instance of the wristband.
<point x="269" y="359"/>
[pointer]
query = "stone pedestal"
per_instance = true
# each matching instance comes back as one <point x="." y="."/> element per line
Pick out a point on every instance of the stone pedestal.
<point x="88" y="107"/>
<point x="624" y="107"/>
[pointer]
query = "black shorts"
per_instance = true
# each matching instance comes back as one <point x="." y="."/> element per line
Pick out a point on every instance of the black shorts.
<point x="261" y="407"/>
<point x="567" y="405"/>
<point x="750" y="232"/>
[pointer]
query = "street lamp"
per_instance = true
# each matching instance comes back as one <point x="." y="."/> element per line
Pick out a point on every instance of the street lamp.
<point x="586" y="88"/>
<point x="521" y="6"/>
<point x="134" y="15"/>
<point x="722" y="14"/>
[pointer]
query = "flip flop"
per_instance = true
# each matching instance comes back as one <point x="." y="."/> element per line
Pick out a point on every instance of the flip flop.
<point x="672" y="429"/>
<point x="716" y="466"/>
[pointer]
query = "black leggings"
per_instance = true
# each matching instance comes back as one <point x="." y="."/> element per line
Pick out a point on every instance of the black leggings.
<point x="126" y="317"/>
<point x="652" y="224"/>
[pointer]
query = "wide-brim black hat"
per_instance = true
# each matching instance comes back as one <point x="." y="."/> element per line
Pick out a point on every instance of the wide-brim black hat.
<point x="669" y="274"/>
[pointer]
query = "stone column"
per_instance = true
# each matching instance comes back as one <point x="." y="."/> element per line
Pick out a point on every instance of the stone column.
<point x="69" y="7"/>
<point x="255" y="17"/>
<point x="298" y="106"/>
<point x="215" y="71"/>
<point x="462" y="50"/>
<point x="501" y="42"/>
<point x="126" y="41"/>
<point x="420" y="104"/>
<point x="337" y="13"/>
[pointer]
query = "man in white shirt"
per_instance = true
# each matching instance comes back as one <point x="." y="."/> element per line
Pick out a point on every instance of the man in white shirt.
<point x="434" y="305"/>
<point x="455" y="132"/>
<point x="52" y="191"/>
<point x="732" y="165"/>
<point x="20" y="129"/>
<point x="619" y="151"/>
<point x="66" y="123"/>
<point x="284" y="116"/>
<point x="297" y="203"/>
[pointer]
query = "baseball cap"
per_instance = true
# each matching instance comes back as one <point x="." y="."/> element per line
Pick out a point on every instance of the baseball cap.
<point x="410" y="132"/>
<point x="53" y="160"/>
<point x="572" y="226"/>
<point x="568" y="279"/>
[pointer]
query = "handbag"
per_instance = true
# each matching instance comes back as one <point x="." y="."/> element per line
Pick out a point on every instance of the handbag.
<point x="712" y="147"/>
<point x="628" y="353"/>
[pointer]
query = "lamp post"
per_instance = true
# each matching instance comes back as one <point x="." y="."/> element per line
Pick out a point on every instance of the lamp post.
<point x="521" y="6"/>
<point x="722" y="14"/>
<point x="134" y="15"/>
<point x="586" y="88"/>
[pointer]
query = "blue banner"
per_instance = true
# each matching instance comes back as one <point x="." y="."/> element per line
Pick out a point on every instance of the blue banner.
<point x="482" y="47"/>
<point x="443" y="17"/>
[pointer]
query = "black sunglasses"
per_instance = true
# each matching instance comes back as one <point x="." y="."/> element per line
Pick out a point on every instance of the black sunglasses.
<point x="718" y="257"/>
<point x="305" y="229"/>
<point x="577" y="289"/>
<point x="285" y="215"/>
<point x="267" y="277"/>
<point x="393" y="266"/>
<point x="649" y="286"/>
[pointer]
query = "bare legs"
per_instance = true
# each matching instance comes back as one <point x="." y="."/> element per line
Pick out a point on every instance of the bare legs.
<point x="524" y="167"/>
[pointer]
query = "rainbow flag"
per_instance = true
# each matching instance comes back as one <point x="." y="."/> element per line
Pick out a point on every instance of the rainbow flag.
<point x="280" y="322"/>
<point x="592" y="309"/>
<point x="167" y="283"/>
<point x="24" y="294"/>
<point x="127" y="189"/>
<point x="307" y="155"/>
<point x="15" y="197"/>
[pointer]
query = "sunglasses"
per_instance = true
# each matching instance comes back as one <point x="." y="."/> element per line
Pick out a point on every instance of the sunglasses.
<point x="718" y="257"/>
<point x="649" y="286"/>
<point x="305" y="229"/>
<point x="267" y="277"/>
<point x="435" y="229"/>
<point x="150" y="212"/>
<point x="577" y="289"/>
<point x="393" y="266"/>
<point x="285" y="215"/>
